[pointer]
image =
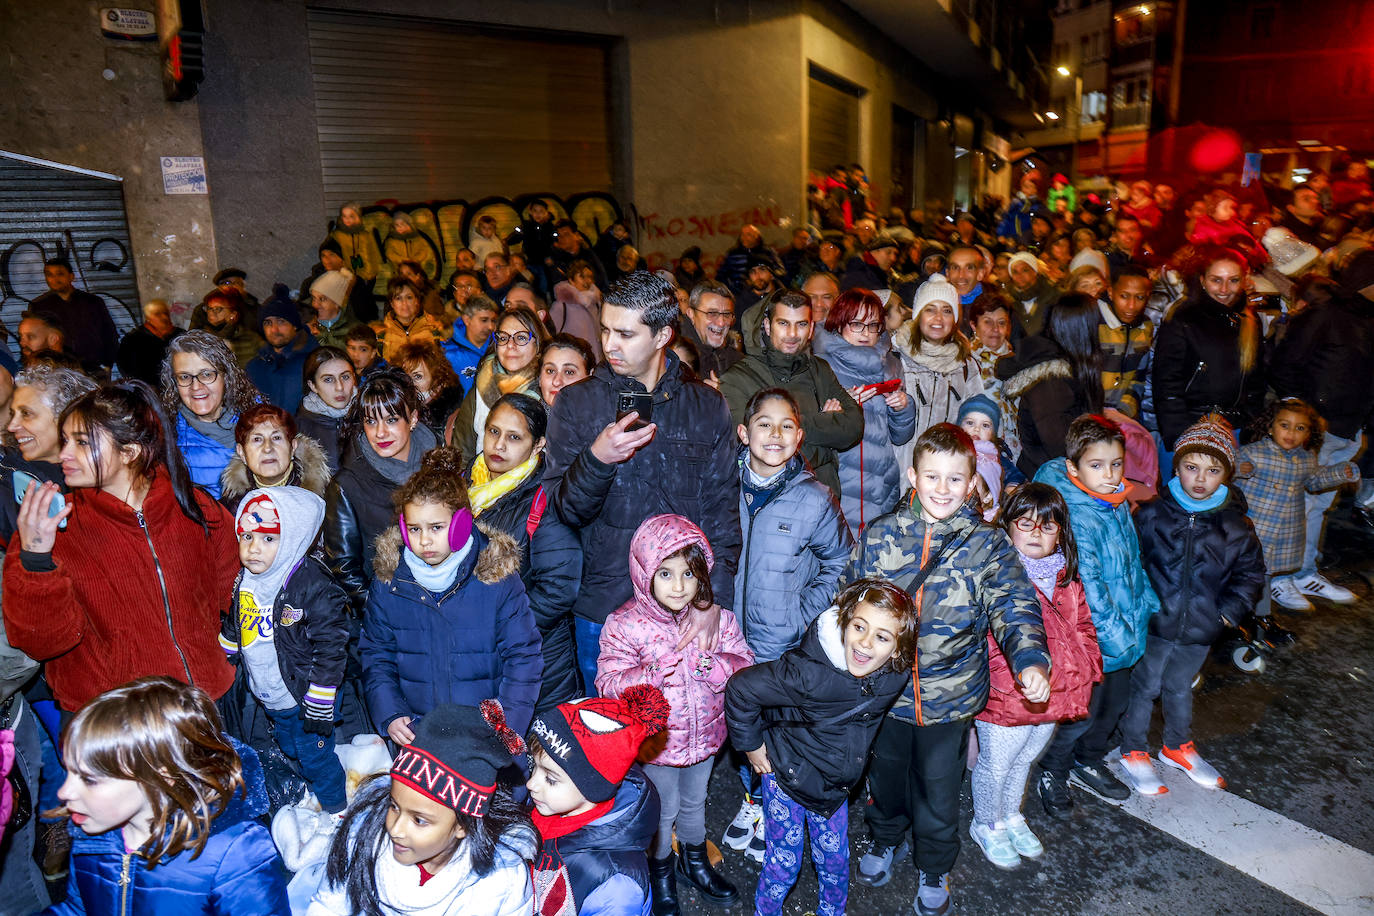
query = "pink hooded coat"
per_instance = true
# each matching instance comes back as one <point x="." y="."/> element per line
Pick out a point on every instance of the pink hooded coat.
<point x="639" y="642"/>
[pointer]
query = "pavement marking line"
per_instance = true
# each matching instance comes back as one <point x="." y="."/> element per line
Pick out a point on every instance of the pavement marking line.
<point x="1316" y="870"/>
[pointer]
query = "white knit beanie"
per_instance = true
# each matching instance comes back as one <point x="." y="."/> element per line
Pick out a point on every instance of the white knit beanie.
<point x="1025" y="257"/>
<point x="936" y="289"/>
<point x="1091" y="257"/>
<point x="333" y="285"/>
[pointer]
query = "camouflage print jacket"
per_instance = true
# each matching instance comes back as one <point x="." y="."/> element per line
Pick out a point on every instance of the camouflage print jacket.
<point x="978" y="584"/>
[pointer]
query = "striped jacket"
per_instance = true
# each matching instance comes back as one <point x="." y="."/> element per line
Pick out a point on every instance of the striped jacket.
<point x="1274" y="487"/>
<point x="1126" y="352"/>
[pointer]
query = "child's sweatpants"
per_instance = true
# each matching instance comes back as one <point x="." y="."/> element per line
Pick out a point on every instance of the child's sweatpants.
<point x="914" y="784"/>
<point x="1165" y="673"/>
<point x="1088" y="740"/>
<point x="1005" y="755"/>
<point x="786" y="825"/>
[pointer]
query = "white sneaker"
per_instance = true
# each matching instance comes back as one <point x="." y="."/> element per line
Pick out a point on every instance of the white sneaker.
<point x="1185" y="757"/>
<point x="1140" y="773"/>
<point x="996" y="844"/>
<point x="758" y="844"/>
<point x="1318" y="586"/>
<point x="745" y="826"/>
<point x="1025" y="841"/>
<point x="1286" y="595"/>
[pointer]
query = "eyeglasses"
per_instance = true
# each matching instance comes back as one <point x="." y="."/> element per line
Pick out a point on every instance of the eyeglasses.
<point x="715" y="315"/>
<point x="205" y="377"/>
<point x="1026" y="524"/>
<point x="865" y="327"/>
<point x="519" y="338"/>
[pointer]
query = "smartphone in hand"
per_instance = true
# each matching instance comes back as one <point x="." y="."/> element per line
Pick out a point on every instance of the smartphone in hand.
<point x="22" y="480"/>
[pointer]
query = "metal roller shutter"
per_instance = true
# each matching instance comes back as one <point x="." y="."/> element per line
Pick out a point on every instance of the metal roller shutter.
<point x="832" y="121"/>
<point x="416" y="110"/>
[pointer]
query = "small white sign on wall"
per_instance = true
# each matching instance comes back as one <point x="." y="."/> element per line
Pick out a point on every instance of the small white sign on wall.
<point x="183" y="175"/>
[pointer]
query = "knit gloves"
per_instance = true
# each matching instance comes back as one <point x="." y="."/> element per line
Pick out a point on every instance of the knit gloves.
<point x="317" y="710"/>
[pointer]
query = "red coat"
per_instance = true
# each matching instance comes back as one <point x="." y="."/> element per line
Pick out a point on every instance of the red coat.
<point x="1075" y="665"/>
<point x="98" y="619"/>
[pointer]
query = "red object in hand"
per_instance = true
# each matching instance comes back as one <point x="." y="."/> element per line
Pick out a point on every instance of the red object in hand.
<point x="886" y="387"/>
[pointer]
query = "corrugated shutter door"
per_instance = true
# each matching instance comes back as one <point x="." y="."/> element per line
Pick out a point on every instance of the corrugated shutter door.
<point x="46" y="211"/>
<point x="416" y="110"/>
<point x="833" y="126"/>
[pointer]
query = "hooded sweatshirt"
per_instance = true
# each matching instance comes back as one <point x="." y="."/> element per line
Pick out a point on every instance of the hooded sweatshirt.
<point x="298" y="513"/>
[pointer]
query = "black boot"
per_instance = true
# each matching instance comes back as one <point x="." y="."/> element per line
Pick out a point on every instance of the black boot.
<point x="694" y="867"/>
<point x="664" y="885"/>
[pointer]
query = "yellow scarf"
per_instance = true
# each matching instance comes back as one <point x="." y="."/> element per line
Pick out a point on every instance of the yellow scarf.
<point x="486" y="489"/>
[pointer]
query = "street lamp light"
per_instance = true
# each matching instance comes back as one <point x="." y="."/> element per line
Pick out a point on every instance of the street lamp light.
<point x="1076" y="114"/>
<point x="1052" y="115"/>
<point x="1064" y="71"/>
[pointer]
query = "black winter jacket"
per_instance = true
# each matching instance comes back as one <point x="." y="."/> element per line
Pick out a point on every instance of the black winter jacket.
<point x="1197" y="369"/>
<point x="324" y="430"/>
<point x="357" y="508"/>
<point x="1206" y="567"/>
<point x="688" y="469"/>
<point x="1327" y="359"/>
<point x="816" y="719"/>
<point x="310" y="623"/>
<point x="1039" y="379"/>
<point x="551" y="569"/>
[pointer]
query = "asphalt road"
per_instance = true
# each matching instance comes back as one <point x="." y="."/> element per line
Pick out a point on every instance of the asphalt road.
<point x="1292" y="834"/>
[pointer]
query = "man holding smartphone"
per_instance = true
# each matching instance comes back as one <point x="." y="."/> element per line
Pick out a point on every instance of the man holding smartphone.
<point x="609" y="467"/>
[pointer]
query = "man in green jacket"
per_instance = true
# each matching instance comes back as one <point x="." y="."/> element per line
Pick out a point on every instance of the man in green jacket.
<point x="831" y="420"/>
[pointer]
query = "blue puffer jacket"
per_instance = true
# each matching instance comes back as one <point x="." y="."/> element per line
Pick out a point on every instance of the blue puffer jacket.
<point x="462" y="354"/>
<point x="1119" y="593"/>
<point x="870" y="479"/>
<point x="238" y="873"/>
<point x="796" y="545"/>
<point x="205" y="458"/>
<point x="475" y="640"/>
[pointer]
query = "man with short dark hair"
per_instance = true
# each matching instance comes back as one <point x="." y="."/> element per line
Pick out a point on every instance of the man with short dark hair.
<point x="608" y="469"/>
<point x="471" y="334"/>
<point x="569" y="245"/>
<point x="1303" y="217"/>
<point x="40" y="330"/>
<point x="1127" y="244"/>
<point x="872" y="269"/>
<point x="90" y="331"/>
<point x="831" y="420"/>
<point x="278" y="368"/>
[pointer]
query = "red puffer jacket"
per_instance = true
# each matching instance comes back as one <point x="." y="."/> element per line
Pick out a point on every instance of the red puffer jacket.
<point x="97" y="612"/>
<point x="1075" y="665"/>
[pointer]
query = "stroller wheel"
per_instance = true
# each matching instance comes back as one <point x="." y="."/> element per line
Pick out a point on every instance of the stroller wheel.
<point x="1247" y="659"/>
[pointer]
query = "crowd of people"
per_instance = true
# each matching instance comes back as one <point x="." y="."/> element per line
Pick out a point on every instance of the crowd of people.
<point x="569" y="534"/>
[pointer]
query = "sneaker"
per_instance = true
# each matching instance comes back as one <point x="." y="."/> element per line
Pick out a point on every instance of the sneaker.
<point x="1140" y="773"/>
<point x="1271" y="634"/>
<point x="1286" y="595"/>
<point x="758" y="844"/>
<point x="1318" y="586"/>
<point x="1185" y="757"/>
<point x="1054" y="796"/>
<point x="875" y="868"/>
<point x="746" y="824"/>
<point x="1097" y="779"/>
<point x="932" y="897"/>
<point x="1025" y="842"/>
<point x="996" y="844"/>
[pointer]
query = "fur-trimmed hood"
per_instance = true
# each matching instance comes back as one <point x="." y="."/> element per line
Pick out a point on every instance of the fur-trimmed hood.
<point x="498" y="555"/>
<point x="309" y="471"/>
<point x="1035" y="360"/>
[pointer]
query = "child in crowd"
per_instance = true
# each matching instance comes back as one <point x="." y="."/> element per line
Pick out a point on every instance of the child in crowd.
<point x="163" y="809"/>
<point x="648" y="640"/>
<point x="594" y="808"/>
<point x="1012" y="731"/>
<point x="442" y="836"/>
<point x="364" y="350"/>
<point x="290" y="634"/>
<point x="1207" y="567"/>
<point x="1277" y="470"/>
<point x="980" y="417"/>
<point x="806" y="722"/>
<point x="965" y="578"/>
<point x="1126" y="337"/>
<point x="447" y="618"/>
<point x="796" y="546"/>
<point x="1119" y="595"/>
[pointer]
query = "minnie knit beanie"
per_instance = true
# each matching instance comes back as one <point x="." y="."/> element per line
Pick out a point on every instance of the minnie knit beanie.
<point x="936" y="289"/>
<point x="1212" y="436"/>
<point x="456" y="754"/>
<point x="595" y="741"/>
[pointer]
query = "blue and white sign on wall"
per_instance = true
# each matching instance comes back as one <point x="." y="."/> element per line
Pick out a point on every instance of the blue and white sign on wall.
<point x="183" y="175"/>
<point x="131" y="25"/>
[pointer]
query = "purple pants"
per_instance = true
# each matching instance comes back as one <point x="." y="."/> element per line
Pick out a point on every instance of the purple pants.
<point x="786" y="825"/>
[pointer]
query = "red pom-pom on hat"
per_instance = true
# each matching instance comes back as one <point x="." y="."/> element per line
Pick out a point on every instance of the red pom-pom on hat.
<point x="647" y="704"/>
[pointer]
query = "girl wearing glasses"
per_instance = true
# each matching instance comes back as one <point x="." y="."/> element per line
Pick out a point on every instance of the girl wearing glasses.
<point x="204" y="388"/>
<point x="1012" y="731"/>
<point x="510" y="365"/>
<point x="857" y="347"/>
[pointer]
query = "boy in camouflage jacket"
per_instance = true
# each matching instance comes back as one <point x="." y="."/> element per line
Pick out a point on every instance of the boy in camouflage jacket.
<point x="975" y="584"/>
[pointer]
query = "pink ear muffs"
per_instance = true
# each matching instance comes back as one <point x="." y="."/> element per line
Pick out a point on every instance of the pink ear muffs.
<point x="459" y="529"/>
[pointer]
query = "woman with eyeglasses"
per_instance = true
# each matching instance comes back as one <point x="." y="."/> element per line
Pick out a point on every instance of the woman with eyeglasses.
<point x="510" y="365"/>
<point x="204" y="388"/>
<point x="856" y="345"/>
<point x="405" y="321"/>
